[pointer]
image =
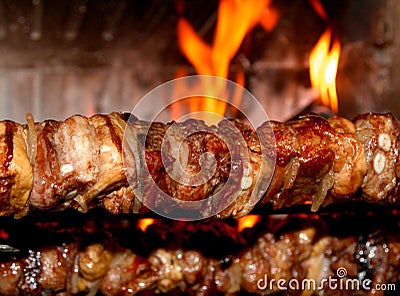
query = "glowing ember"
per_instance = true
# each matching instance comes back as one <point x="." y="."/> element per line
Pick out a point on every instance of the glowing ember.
<point x="324" y="60"/>
<point x="3" y="234"/>
<point x="235" y="19"/>
<point x="144" y="223"/>
<point x="247" y="221"/>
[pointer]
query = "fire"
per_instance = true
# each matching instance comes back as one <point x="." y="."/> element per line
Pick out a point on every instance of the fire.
<point x="194" y="48"/>
<point x="235" y="19"/>
<point x="319" y="9"/>
<point x="3" y="234"/>
<point x="247" y="221"/>
<point x="144" y="223"/>
<point x="324" y="60"/>
<point x="177" y="110"/>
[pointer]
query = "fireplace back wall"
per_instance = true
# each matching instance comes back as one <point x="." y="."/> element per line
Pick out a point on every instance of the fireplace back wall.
<point x="58" y="58"/>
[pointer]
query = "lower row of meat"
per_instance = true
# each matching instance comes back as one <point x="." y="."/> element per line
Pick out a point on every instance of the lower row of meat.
<point x="300" y="260"/>
<point x="126" y="165"/>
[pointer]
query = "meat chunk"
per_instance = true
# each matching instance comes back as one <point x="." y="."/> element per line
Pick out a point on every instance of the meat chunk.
<point x="255" y="176"/>
<point x="94" y="262"/>
<point x="304" y="160"/>
<point x="124" y="272"/>
<point x="77" y="156"/>
<point x="350" y="165"/>
<point x="10" y="275"/>
<point x="193" y="156"/>
<point x="54" y="270"/>
<point x="16" y="177"/>
<point x="46" y="167"/>
<point x="277" y="259"/>
<point x="379" y="135"/>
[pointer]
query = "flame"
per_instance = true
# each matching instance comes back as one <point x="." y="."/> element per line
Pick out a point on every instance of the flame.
<point x="177" y="109"/>
<point x="144" y="223"/>
<point x="324" y="62"/>
<point x="193" y="104"/>
<point x="194" y="48"/>
<point x="247" y="221"/>
<point x="235" y="19"/>
<point x="237" y="95"/>
<point x="269" y="18"/>
<point x="319" y="9"/>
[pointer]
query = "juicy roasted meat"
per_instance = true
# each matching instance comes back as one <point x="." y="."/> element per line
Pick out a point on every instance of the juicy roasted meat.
<point x="380" y="137"/>
<point x="349" y="166"/>
<point x="16" y="177"/>
<point x="129" y="166"/>
<point x="300" y="251"/>
<point x="304" y="162"/>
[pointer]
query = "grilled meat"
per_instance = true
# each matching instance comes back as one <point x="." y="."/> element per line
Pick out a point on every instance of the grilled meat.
<point x="298" y="249"/>
<point x="127" y="166"/>
<point x="16" y="176"/>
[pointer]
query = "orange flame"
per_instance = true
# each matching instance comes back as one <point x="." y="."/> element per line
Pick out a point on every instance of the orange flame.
<point x="247" y="221"/>
<point x="177" y="109"/>
<point x="144" y="223"/>
<point x="235" y="19"/>
<point x="319" y="9"/>
<point x="324" y="62"/>
<point x="194" y="48"/>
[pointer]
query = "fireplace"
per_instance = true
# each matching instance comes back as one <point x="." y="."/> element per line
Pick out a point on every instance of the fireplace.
<point x="86" y="56"/>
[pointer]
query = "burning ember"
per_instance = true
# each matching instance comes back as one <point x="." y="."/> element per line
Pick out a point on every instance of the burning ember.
<point x="324" y="60"/>
<point x="247" y="221"/>
<point x="3" y="234"/>
<point x="144" y="223"/>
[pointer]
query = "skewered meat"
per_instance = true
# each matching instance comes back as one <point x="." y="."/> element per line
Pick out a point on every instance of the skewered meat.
<point x="130" y="165"/>
<point x="278" y="254"/>
<point x="379" y="136"/>
<point x="16" y="176"/>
